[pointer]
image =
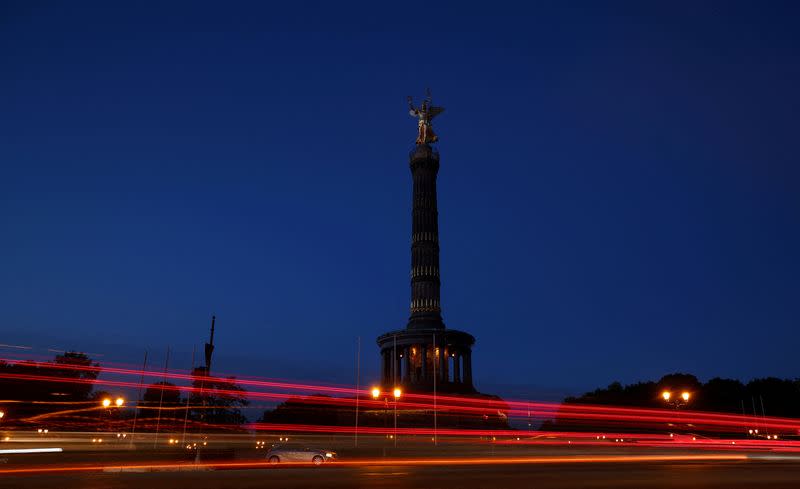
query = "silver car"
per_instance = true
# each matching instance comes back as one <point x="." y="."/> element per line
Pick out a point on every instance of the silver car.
<point x="281" y="453"/>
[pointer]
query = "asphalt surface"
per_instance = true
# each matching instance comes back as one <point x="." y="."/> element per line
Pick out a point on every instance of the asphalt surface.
<point x="741" y="474"/>
<point x="456" y="464"/>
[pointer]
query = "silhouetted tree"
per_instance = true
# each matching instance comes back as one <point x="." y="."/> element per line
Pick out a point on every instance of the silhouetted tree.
<point x="315" y="409"/>
<point x="217" y="401"/>
<point x="163" y="399"/>
<point x="81" y="373"/>
<point x="770" y="396"/>
<point x="780" y="397"/>
<point x="37" y="385"/>
<point x="724" y="395"/>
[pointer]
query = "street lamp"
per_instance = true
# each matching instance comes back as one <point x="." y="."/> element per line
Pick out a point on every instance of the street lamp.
<point x="376" y="394"/>
<point x="677" y="401"/>
<point x="397" y="393"/>
<point x="107" y="403"/>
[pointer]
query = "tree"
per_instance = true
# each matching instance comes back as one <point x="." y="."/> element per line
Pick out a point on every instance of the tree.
<point x="68" y="379"/>
<point x="163" y="400"/>
<point x="79" y="368"/>
<point x="780" y="397"/>
<point x="724" y="395"/>
<point x="217" y="401"/>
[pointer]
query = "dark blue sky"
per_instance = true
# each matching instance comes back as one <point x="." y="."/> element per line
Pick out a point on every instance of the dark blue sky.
<point x="618" y="191"/>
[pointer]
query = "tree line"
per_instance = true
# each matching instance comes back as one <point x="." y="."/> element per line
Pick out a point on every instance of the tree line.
<point x="63" y="394"/>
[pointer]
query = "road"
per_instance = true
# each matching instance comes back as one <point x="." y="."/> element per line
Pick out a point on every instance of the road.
<point x="706" y="474"/>
<point x="457" y="464"/>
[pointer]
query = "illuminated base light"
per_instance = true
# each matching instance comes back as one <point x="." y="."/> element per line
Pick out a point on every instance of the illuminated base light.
<point x="32" y="450"/>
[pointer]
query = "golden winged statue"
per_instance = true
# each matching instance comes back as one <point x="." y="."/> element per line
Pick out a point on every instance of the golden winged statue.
<point x="425" y="113"/>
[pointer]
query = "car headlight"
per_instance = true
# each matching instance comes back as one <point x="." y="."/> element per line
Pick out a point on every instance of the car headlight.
<point x="329" y="455"/>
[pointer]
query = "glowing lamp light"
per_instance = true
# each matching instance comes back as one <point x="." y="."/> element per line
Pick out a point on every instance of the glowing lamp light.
<point x="119" y="402"/>
<point x="106" y="402"/>
<point x="2" y="414"/>
<point x="376" y="393"/>
<point x="685" y="396"/>
<point x="397" y="393"/>
<point x="666" y="395"/>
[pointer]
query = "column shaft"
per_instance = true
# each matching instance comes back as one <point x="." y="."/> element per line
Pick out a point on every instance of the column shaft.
<point x="440" y="368"/>
<point x="384" y="377"/>
<point x="397" y="369"/>
<point x="423" y="350"/>
<point x="406" y="365"/>
<point x="468" y="368"/>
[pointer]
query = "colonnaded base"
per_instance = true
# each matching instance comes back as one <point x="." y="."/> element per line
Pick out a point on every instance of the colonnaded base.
<point x="413" y="358"/>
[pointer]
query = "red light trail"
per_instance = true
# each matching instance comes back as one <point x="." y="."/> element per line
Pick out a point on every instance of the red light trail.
<point x="434" y="461"/>
<point x="278" y="391"/>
